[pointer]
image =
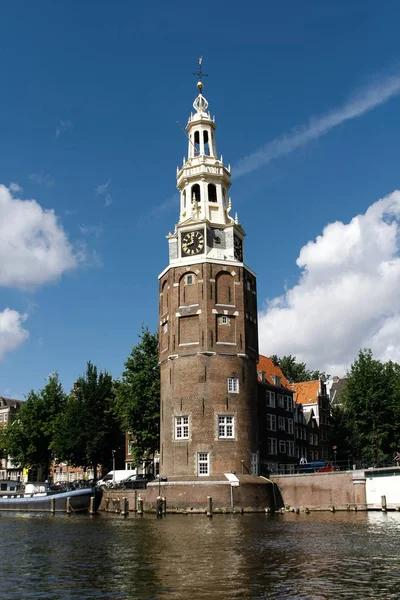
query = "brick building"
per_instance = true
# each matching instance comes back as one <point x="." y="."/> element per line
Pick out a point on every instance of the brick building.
<point x="276" y="420"/>
<point x="314" y="398"/>
<point x="207" y="323"/>
<point x="8" y="412"/>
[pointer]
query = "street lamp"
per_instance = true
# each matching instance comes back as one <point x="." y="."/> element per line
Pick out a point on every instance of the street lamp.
<point x="113" y="459"/>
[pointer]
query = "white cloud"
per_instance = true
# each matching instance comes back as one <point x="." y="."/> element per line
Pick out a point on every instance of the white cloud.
<point x="42" y="179"/>
<point x="103" y="190"/>
<point x="360" y="103"/>
<point x="347" y="296"/>
<point x="34" y="248"/>
<point x="15" y="187"/>
<point x="63" y="127"/>
<point x="12" y="333"/>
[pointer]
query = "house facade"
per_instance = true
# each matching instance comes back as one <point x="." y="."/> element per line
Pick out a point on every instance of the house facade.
<point x="8" y="412"/>
<point x="314" y="398"/>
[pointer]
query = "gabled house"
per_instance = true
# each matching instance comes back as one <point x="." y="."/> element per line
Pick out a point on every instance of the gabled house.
<point x="276" y="420"/>
<point x="8" y="412"/>
<point x="314" y="398"/>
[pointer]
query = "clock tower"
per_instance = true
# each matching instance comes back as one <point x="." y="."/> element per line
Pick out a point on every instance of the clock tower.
<point x="208" y="339"/>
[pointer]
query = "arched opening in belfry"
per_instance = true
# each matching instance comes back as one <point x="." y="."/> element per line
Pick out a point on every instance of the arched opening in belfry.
<point x="212" y="193"/>
<point x="206" y="143"/>
<point x="223" y="196"/>
<point x="184" y="199"/>
<point x="196" y="143"/>
<point x="196" y="192"/>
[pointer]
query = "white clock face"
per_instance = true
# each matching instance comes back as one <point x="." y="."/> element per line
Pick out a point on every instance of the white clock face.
<point x="192" y="243"/>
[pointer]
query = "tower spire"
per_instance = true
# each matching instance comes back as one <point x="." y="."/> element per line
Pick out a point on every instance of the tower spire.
<point x="200" y="74"/>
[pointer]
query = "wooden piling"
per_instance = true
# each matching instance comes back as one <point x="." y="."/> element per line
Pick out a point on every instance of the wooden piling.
<point x="164" y="506"/>
<point x="383" y="503"/>
<point x="68" y="506"/>
<point x="209" y="506"/>
<point x="140" y="506"/>
<point x="159" y="506"/>
<point x="92" y="505"/>
<point x="125" y="507"/>
<point x="52" y="505"/>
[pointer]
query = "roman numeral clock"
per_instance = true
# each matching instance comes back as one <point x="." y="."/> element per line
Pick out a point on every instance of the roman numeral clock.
<point x="192" y="242"/>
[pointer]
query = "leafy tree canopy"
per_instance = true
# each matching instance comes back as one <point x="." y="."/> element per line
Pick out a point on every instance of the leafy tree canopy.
<point x="371" y="405"/>
<point x="88" y="430"/>
<point x="138" y="396"/>
<point x="29" y="439"/>
<point x="295" y="372"/>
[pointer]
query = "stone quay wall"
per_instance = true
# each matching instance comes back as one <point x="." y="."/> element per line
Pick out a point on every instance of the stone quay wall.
<point x="338" y="490"/>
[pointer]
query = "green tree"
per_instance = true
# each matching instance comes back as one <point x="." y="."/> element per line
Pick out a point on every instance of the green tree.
<point x="88" y="430"/>
<point x="138" y="396"/>
<point x="29" y="439"/>
<point x="370" y="404"/>
<point x="294" y="371"/>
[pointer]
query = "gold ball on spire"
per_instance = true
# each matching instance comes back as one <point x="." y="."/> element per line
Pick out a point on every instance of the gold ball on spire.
<point x="200" y="85"/>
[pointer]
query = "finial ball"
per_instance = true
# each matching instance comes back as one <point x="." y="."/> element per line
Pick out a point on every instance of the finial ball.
<point x="200" y="85"/>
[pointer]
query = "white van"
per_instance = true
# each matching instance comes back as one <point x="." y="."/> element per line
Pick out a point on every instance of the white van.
<point x="109" y="479"/>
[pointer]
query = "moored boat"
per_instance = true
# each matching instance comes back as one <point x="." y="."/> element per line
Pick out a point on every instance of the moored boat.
<point x="39" y="497"/>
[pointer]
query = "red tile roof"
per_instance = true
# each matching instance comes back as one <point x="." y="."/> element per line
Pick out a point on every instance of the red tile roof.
<point x="306" y="392"/>
<point x="265" y="364"/>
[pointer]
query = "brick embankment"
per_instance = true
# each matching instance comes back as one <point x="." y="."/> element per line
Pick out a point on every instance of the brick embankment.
<point x="191" y="495"/>
<point x="341" y="490"/>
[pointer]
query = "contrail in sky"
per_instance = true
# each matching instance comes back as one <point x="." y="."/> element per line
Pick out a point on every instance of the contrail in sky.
<point x="359" y="104"/>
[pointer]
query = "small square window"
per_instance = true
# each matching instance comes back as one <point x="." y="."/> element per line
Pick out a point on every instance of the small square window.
<point x="233" y="385"/>
<point x="203" y="463"/>
<point x="226" y="426"/>
<point x="189" y="279"/>
<point x="182" y="428"/>
<point x="224" y="320"/>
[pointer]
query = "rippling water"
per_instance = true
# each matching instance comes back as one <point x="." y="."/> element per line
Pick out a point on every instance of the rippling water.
<point x="317" y="556"/>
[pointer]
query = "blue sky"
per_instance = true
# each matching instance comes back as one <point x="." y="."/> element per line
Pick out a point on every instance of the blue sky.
<point x="306" y="97"/>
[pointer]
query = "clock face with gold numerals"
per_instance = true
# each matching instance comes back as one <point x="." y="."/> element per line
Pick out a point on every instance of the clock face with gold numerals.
<point x="192" y="242"/>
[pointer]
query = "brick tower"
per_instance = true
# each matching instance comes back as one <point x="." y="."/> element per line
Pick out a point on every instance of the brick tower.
<point x="207" y="323"/>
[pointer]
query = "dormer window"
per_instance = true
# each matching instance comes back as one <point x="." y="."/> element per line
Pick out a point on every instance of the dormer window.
<point x="277" y="380"/>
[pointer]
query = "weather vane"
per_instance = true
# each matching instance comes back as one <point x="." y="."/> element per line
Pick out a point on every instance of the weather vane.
<point x="200" y="73"/>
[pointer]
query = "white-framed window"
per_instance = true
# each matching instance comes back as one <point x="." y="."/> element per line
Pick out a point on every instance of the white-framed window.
<point x="290" y="425"/>
<point x="277" y="380"/>
<point x="271" y="422"/>
<point x="289" y="403"/>
<point x="189" y="279"/>
<point x="71" y="476"/>
<point x="272" y="446"/>
<point x="1" y="418"/>
<point x="281" y="423"/>
<point x="5" y="417"/>
<point x="203" y="463"/>
<point x="233" y="385"/>
<point x="270" y="398"/>
<point x="290" y="448"/>
<point x="165" y="327"/>
<point x="182" y="428"/>
<point x="226" y="426"/>
<point x="254" y="467"/>
<point x="281" y="401"/>
<point x="282" y="446"/>
<point x="131" y="446"/>
<point x="224" y="320"/>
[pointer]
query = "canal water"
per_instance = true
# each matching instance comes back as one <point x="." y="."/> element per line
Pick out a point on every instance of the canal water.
<point x="316" y="556"/>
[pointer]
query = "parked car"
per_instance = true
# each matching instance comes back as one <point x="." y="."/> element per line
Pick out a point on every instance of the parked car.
<point x="136" y="482"/>
<point x="113" y="478"/>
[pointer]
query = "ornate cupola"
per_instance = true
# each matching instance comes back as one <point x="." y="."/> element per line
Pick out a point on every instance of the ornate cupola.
<point x="206" y="228"/>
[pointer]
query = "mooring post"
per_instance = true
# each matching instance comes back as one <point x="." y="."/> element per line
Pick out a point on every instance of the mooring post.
<point x="107" y="504"/>
<point x="209" y="506"/>
<point x="135" y="500"/>
<point x="140" y="506"/>
<point x="383" y="503"/>
<point x="52" y="505"/>
<point x="164" y="506"/>
<point x="68" y="507"/>
<point x="159" y="507"/>
<point x="125" y="507"/>
<point x="92" y="505"/>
